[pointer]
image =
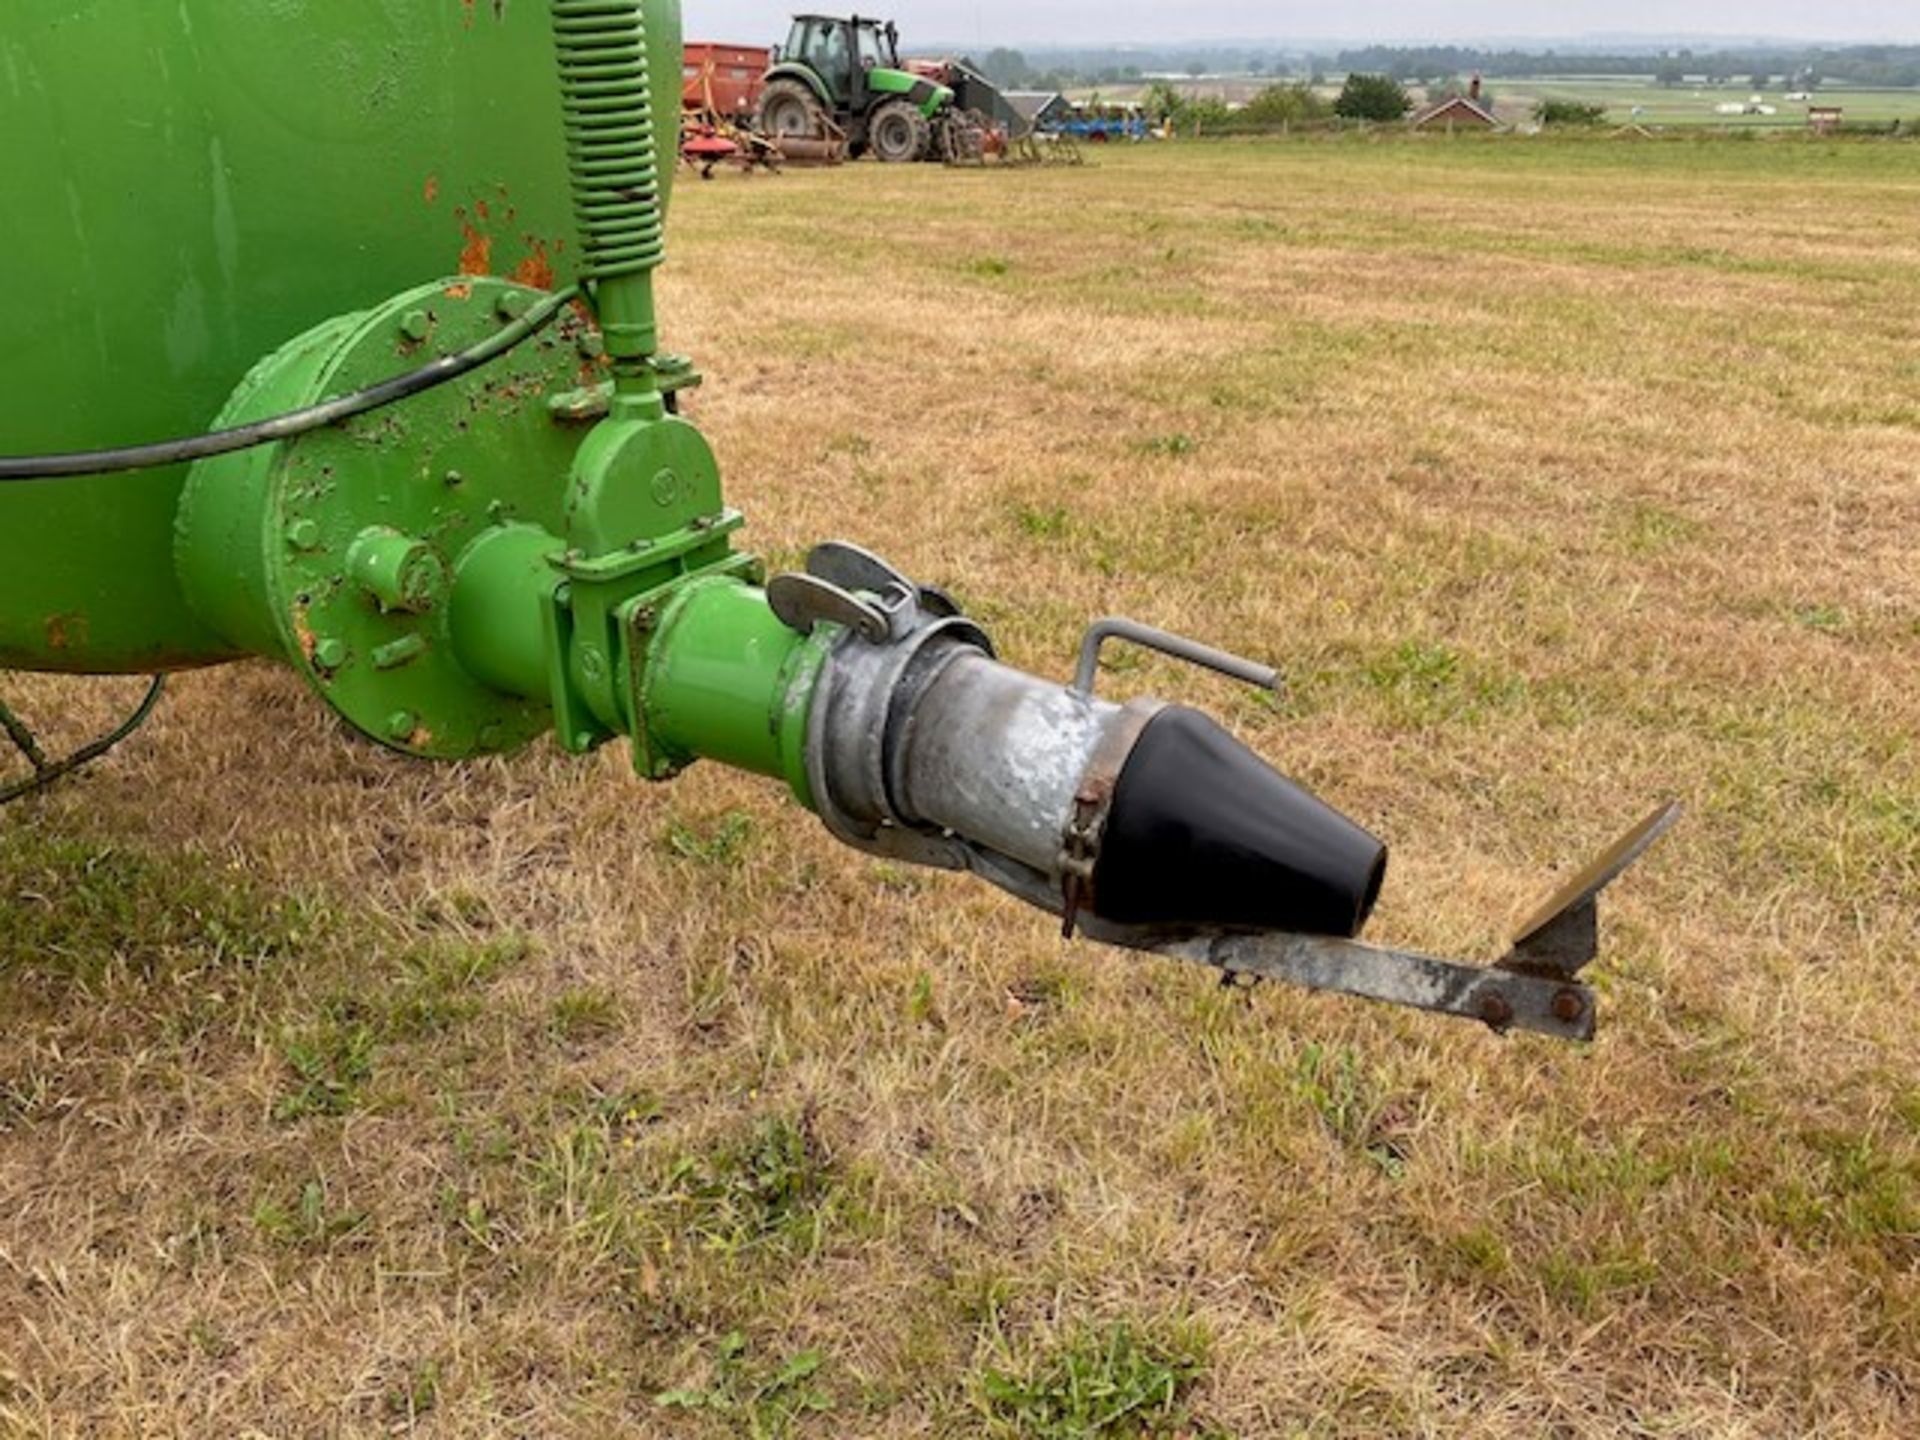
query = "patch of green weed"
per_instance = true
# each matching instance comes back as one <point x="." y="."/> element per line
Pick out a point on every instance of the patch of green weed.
<point x="417" y="1394"/>
<point x="721" y="843"/>
<point x="762" y="1402"/>
<point x="580" y="1013"/>
<point x="90" y="912"/>
<point x="441" y="983"/>
<point x="774" y="1185"/>
<point x="1353" y="1103"/>
<point x="1115" y="1381"/>
<point x="307" y="1220"/>
<point x="1175" y="446"/>
<point x="1042" y="522"/>
<point x="331" y="1061"/>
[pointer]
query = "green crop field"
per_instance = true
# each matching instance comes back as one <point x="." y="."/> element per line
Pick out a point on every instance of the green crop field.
<point x="344" y="1095"/>
<point x="1641" y="101"/>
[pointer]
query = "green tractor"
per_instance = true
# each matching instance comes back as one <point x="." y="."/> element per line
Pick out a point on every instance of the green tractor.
<point x="841" y="79"/>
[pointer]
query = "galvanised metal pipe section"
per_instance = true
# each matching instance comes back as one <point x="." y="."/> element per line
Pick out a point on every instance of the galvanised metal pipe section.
<point x="925" y="747"/>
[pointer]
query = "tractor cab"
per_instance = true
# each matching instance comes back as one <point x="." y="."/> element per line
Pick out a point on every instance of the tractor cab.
<point x="842" y="52"/>
<point x="841" y="78"/>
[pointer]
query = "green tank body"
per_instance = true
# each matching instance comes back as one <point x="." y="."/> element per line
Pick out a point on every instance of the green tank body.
<point x="192" y="184"/>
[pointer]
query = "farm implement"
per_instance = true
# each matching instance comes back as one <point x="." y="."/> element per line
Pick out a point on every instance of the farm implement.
<point x="450" y="488"/>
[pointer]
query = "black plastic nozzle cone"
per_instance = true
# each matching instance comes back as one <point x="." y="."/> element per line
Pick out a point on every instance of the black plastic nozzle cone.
<point x="1204" y="835"/>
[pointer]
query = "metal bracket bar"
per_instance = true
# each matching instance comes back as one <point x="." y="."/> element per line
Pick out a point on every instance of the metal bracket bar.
<point x="1502" y="999"/>
<point x="1086" y="674"/>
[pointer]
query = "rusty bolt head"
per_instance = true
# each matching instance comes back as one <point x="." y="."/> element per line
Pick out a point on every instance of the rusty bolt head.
<point x="422" y="579"/>
<point x="1496" y="1010"/>
<point x="1569" y="1006"/>
<point x="416" y="325"/>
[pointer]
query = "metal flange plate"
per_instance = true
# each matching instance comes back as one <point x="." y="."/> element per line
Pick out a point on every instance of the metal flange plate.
<point x="365" y="521"/>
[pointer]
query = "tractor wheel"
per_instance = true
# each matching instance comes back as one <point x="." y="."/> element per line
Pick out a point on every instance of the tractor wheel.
<point x="899" y="133"/>
<point x="789" y="110"/>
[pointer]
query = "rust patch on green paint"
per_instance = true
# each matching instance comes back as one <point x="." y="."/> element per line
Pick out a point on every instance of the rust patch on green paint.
<point x="66" y="630"/>
<point x="432" y="189"/>
<point x="303" y="634"/>
<point x="537" y="269"/>
<point x="476" y="255"/>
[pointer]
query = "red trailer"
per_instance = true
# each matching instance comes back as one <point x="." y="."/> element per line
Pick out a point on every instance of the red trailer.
<point x="724" y="80"/>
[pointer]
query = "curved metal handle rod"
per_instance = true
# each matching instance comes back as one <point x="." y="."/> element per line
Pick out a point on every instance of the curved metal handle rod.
<point x="1115" y="627"/>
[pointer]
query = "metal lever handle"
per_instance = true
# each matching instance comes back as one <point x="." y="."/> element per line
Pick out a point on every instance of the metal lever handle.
<point x="1115" y="627"/>
<point x="804" y="601"/>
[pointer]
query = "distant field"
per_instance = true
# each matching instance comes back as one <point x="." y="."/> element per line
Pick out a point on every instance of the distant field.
<point x="341" y="1095"/>
<point x="1686" y="105"/>
<point x="1694" y="104"/>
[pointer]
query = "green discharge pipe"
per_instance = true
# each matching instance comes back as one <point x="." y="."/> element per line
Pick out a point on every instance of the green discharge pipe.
<point x="710" y="673"/>
<point x="501" y="591"/>
<point x="725" y="680"/>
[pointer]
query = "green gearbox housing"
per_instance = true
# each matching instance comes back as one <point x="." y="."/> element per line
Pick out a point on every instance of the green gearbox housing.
<point x="464" y="572"/>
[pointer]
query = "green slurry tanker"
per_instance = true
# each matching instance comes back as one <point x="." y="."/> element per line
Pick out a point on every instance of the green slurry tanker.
<point x="380" y="272"/>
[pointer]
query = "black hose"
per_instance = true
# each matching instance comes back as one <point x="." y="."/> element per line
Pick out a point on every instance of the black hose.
<point x="298" y="422"/>
<point x="46" y="771"/>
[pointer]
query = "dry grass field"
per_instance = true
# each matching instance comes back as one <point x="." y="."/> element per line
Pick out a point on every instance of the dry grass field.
<point x="341" y="1095"/>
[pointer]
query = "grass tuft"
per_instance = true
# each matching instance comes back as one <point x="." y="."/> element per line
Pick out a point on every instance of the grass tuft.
<point x="1116" y="1381"/>
<point x="306" y="1220"/>
<point x="331" y="1062"/>
<point x="721" y="843"/>
<point x="764" y="1402"/>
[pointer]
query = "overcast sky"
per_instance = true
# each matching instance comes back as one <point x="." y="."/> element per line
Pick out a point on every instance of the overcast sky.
<point x="1028" y="22"/>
